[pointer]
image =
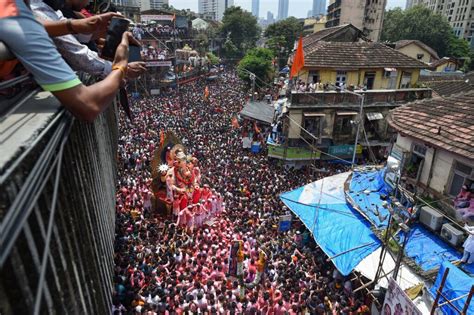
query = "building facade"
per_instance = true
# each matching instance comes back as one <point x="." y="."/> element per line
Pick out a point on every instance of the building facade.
<point x="256" y="8"/>
<point x="282" y="9"/>
<point x="324" y="117"/>
<point x="365" y="15"/>
<point x="434" y="149"/>
<point x="270" y="18"/>
<point x="214" y="9"/>
<point x="151" y="4"/>
<point x="319" y="8"/>
<point x="417" y="50"/>
<point x="460" y="14"/>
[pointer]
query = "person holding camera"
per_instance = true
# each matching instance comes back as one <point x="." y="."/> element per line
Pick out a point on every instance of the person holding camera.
<point x="28" y="41"/>
<point x="78" y="55"/>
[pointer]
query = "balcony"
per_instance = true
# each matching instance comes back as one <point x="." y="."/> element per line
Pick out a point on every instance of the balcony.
<point x="374" y="98"/>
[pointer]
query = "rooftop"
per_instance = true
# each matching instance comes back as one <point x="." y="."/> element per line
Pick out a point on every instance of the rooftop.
<point x="350" y="55"/>
<point x="328" y="32"/>
<point x="448" y="87"/>
<point x="445" y="123"/>
<point x="405" y="42"/>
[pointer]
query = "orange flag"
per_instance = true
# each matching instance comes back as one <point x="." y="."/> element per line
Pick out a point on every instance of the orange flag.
<point x="206" y="93"/>
<point x="298" y="59"/>
<point x="257" y="130"/>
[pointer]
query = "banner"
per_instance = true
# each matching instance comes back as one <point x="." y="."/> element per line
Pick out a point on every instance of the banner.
<point x="285" y="223"/>
<point x="161" y="63"/>
<point x="344" y="150"/>
<point x="397" y="301"/>
<point x="156" y="17"/>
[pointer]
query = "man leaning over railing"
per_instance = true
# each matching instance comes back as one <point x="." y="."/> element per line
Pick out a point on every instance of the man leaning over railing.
<point x="31" y="45"/>
<point x="78" y="55"/>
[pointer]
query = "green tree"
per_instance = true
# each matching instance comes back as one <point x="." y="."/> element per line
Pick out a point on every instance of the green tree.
<point x="258" y="61"/>
<point x="241" y="28"/>
<point x="419" y="23"/>
<point x="202" y="43"/>
<point x="230" y="50"/>
<point x="213" y="59"/>
<point x="281" y="37"/>
<point x="458" y="47"/>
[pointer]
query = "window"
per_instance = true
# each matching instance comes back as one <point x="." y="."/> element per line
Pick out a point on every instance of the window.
<point x="312" y="123"/>
<point x="341" y="77"/>
<point x="313" y="77"/>
<point x="343" y="125"/>
<point x="415" y="162"/>
<point x="405" y="81"/>
<point x="462" y="175"/>
<point x="419" y="56"/>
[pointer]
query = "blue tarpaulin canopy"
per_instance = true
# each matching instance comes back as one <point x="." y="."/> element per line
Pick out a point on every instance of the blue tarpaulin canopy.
<point x="427" y="249"/>
<point x="341" y="232"/>
<point x="457" y="284"/>
<point x="365" y="189"/>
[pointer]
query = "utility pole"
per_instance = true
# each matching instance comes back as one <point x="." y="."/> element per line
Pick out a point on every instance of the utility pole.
<point x="252" y="77"/>
<point x="361" y="119"/>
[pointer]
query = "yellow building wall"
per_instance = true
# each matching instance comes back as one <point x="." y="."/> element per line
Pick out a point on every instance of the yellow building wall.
<point x="449" y="64"/>
<point x="356" y="77"/>
<point x="413" y="50"/>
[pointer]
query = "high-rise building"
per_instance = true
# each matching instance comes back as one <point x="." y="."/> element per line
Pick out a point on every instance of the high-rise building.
<point x="319" y="7"/>
<point x="214" y="9"/>
<point x="365" y="15"/>
<point x="152" y="4"/>
<point x="270" y="18"/>
<point x="460" y="14"/>
<point x="282" y="9"/>
<point x="256" y="8"/>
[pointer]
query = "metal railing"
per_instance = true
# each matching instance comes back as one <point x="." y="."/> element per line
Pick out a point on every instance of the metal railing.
<point x="57" y="206"/>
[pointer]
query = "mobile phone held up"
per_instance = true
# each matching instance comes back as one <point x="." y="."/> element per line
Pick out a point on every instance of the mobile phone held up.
<point x="134" y="53"/>
<point x="116" y="28"/>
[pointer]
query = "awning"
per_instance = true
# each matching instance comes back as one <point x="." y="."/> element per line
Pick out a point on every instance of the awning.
<point x="390" y="69"/>
<point x="374" y="116"/>
<point x="313" y="115"/>
<point x="346" y="113"/>
<point x="341" y="232"/>
<point x="261" y="111"/>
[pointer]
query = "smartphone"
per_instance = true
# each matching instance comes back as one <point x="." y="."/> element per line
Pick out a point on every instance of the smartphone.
<point x="116" y="28"/>
<point x="134" y="53"/>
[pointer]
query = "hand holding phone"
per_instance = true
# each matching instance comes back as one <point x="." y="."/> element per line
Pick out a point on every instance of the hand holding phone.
<point x="116" y="28"/>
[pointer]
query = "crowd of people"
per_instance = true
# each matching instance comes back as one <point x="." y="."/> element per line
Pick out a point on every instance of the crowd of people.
<point x="163" y="268"/>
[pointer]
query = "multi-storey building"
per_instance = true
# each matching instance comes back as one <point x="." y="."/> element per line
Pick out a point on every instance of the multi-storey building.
<point x="366" y="15"/>
<point x="255" y="8"/>
<point x="282" y="9"/>
<point x="150" y="4"/>
<point x="460" y="14"/>
<point x="319" y="7"/>
<point x="270" y="18"/>
<point x="214" y="9"/>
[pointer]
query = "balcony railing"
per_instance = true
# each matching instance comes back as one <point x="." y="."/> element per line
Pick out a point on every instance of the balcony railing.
<point x="372" y="97"/>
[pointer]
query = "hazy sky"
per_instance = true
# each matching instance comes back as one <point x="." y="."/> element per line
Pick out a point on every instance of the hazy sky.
<point x="297" y="8"/>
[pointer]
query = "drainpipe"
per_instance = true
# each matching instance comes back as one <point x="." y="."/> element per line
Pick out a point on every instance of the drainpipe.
<point x="433" y="159"/>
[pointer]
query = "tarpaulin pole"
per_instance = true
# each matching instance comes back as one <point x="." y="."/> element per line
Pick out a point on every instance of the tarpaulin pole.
<point x="438" y="292"/>
<point x="349" y="250"/>
<point x="468" y="301"/>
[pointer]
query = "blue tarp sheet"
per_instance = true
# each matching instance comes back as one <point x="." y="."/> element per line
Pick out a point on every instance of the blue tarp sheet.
<point x="335" y="226"/>
<point x="457" y="284"/>
<point x="427" y="249"/>
<point x="365" y="189"/>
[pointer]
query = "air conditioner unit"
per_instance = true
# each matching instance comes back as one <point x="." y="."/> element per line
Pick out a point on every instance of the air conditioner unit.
<point x="450" y="234"/>
<point x="431" y="218"/>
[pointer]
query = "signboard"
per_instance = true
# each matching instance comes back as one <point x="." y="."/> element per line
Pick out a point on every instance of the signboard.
<point x="160" y="63"/>
<point x="397" y="301"/>
<point x="285" y="223"/>
<point x="344" y="150"/>
<point x="156" y="17"/>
